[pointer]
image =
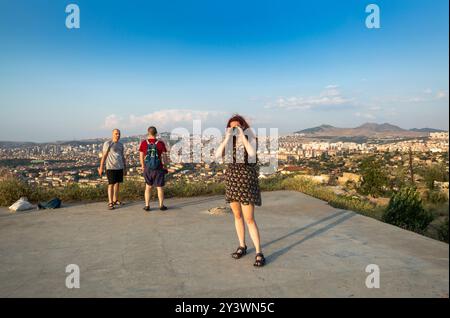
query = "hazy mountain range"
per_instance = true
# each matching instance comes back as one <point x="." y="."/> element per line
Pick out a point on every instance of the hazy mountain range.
<point x="366" y="130"/>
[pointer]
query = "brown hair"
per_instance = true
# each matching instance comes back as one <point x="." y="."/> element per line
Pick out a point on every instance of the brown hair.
<point x="152" y="131"/>
<point x="244" y="126"/>
<point x="240" y="119"/>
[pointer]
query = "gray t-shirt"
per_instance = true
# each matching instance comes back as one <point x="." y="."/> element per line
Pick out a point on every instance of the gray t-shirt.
<point x="115" y="159"/>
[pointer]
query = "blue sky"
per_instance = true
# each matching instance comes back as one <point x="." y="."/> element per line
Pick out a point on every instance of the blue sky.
<point x="285" y="64"/>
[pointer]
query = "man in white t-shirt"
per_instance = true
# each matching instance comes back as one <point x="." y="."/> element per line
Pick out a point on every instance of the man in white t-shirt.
<point x="113" y="155"/>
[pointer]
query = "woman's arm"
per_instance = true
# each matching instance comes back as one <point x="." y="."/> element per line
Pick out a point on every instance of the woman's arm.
<point x="220" y="149"/>
<point x="248" y="142"/>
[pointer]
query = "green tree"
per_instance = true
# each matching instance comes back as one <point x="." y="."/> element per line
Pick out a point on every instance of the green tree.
<point x="435" y="172"/>
<point x="405" y="209"/>
<point x="399" y="178"/>
<point x="373" y="177"/>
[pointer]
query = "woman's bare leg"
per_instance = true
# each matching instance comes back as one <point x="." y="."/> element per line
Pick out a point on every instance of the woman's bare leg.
<point x="248" y="212"/>
<point x="238" y="222"/>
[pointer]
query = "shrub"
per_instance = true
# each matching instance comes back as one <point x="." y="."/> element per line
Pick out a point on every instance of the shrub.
<point x="323" y="193"/>
<point x="406" y="210"/>
<point x="272" y="183"/>
<point x="73" y="192"/>
<point x="435" y="172"/>
<point x="12" y="189"/>
<point x="132" y="190"/>
<point x="184" y="189"/>
<point x="435" y="196"/>
<point x="443" y="231"/>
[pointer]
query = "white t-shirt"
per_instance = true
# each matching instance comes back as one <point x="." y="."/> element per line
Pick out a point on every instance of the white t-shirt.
<point x="115" y="159"/>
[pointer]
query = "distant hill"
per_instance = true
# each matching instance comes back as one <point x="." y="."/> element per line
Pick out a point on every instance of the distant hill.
<point x="379" y="127"/>
<point x="13" y="144"/>
<point x="74" y="143"/>
<point x="385" y="130"/>
<point x="428" y="130"/>
<point x="320" y="128"/>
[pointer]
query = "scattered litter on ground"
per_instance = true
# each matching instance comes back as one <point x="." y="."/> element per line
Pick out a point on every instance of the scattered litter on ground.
<point x="54" y="203"/>
<point x="22" y="205"/>
<point x="219" y="210"/>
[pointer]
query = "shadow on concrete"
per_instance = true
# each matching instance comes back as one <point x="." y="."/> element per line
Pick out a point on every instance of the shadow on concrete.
<point x="272" y="257"/>
<point x="154" y="204"/>
<point x="194" y="202"/>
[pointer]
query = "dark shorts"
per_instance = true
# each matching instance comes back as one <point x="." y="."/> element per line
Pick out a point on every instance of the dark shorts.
<point x="114" y="176"/>
<point x="154" y="177"/>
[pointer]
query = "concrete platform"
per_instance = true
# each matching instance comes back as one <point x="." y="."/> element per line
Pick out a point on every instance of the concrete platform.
<point x="312" y="249"/>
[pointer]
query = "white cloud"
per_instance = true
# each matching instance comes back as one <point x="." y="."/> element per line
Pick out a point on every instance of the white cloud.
<point x="365" y="115"/>
<point x="111" y="121"/>
<point x="331" y="96"/>
<point x="442" y="95"/>
<point x="166" y="119"/>
<point x="416" y="99"/>
<point x="169" y="116"/>
<point x="428" y="95"/>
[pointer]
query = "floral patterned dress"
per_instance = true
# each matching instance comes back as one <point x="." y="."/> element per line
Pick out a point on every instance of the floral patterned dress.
<point x="241" y="180"/>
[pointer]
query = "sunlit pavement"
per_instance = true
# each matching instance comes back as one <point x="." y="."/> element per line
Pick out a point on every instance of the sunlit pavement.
<point x="312" y="250"/>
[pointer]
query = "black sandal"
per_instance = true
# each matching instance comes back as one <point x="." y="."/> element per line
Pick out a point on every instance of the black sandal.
<point x="111" y="206"/>
<point x="261" y="261"/>
<point x="146" y="208"/>
<point x="241" y="251"/>
<point x="119" y="203"/>
<point x="163" y="208"/>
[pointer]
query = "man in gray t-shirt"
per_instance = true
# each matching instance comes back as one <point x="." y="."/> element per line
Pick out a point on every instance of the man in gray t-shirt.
<point x="113" y="155"/>
<point x="114" y="160"/>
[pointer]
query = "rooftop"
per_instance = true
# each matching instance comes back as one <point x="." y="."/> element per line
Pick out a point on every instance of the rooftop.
<point x="312" y="250"/>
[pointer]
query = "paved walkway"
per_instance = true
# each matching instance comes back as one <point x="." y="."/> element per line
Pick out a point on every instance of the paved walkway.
<point x="312" y="249"/>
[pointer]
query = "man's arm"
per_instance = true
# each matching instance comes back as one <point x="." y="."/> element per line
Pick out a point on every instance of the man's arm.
<point x="102" y="161"/>
<point x="141" y="159"/>
<point x="124" y="163"/>
<point x="165" y="160"/>
<point x="100" y="169"/>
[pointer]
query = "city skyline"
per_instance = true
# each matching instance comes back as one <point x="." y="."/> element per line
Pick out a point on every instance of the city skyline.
<point x="422" y="131"/>
<point x="291" y="65"/>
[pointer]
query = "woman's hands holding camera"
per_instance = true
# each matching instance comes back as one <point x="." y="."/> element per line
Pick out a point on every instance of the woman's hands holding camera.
<point x="234" y="131"/>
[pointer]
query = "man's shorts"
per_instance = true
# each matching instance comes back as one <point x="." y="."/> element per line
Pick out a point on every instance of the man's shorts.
<point x="114" y="176"/>
<point x="154" y="177"/>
